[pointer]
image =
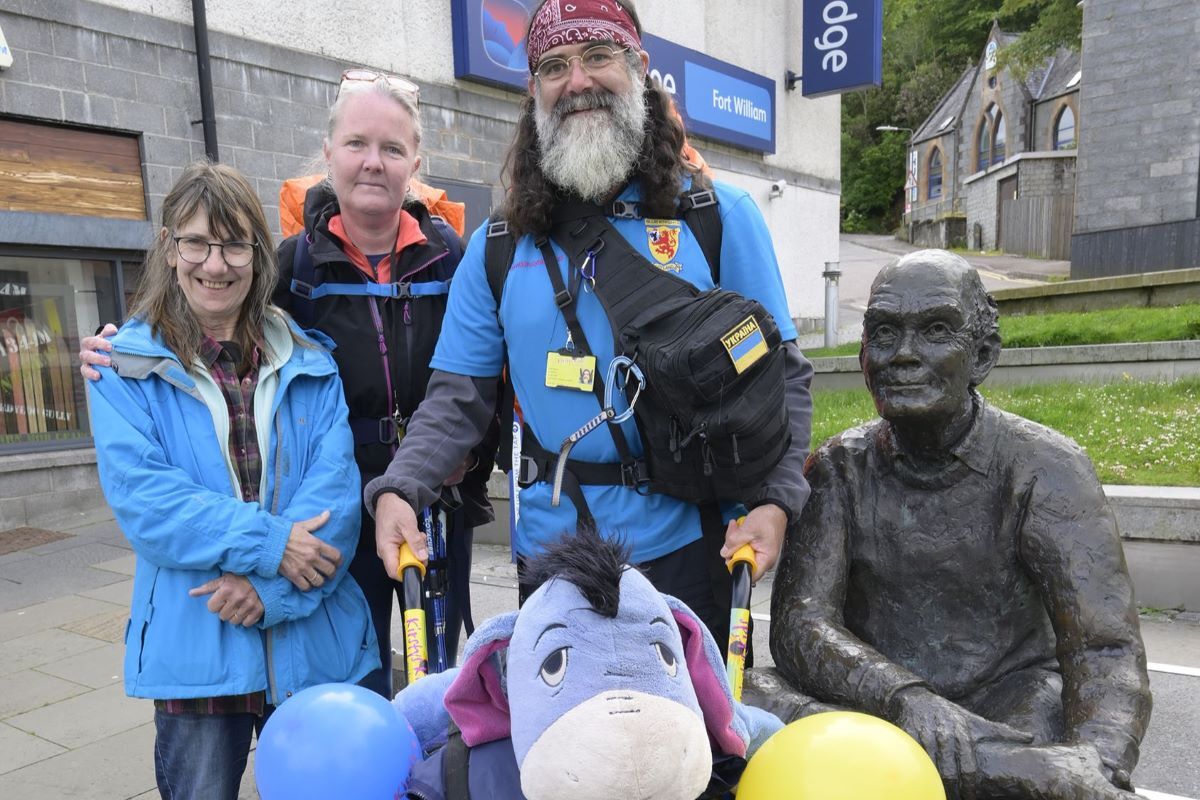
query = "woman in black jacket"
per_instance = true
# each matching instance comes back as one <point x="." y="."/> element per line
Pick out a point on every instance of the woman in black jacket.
<point x="371" y="270"/>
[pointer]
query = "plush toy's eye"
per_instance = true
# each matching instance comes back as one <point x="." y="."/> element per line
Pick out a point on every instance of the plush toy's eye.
<point x="667" y="658"/>
<point x="554" y="668"/>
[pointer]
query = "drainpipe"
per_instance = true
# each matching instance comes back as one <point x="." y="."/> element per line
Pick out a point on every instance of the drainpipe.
<point x="208" y="116"/>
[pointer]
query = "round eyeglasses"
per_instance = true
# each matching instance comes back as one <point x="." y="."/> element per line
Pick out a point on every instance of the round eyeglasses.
<point x="593" y="60"/>
<point x="195" y="250"/>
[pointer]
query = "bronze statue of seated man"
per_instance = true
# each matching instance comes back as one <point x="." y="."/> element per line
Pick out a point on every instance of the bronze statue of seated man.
<point x="957" y="569"/>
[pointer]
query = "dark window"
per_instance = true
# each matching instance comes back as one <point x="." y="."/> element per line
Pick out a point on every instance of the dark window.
<point x="998" y="138"/>
<point x="935" y="175"/>
<point x="1064" y="130"/>
<point x="982" y="140"/>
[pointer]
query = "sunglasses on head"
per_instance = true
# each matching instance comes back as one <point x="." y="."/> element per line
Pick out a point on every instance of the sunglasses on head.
<point x="361" y="74"/>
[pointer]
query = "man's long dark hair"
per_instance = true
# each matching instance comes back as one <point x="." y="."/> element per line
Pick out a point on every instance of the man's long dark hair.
<point x="660" y="167"/>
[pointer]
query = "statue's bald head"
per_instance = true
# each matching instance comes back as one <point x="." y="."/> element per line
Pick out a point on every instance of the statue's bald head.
<point x="924" y="266"/>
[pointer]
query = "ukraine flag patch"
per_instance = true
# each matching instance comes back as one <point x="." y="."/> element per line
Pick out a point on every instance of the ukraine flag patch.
<point x="745" y="344"/>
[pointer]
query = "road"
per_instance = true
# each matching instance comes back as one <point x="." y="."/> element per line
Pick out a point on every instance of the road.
<point x="863" y="255"/>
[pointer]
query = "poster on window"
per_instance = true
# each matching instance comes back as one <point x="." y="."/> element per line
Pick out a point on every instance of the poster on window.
<point x="37" y="379"/>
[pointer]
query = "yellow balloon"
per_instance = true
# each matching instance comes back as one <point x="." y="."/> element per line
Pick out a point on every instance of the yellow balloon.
<point x="841" y="755"/>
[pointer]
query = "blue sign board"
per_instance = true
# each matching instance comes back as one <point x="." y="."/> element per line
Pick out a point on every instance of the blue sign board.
<point x="843" y="46"/>
<point x="716" y="99"/>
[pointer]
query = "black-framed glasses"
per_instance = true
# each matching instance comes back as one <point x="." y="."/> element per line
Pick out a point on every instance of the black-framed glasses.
<point x="364" y="75"/>
<point x="195" y="250"/>
<point x="593" y="60"/>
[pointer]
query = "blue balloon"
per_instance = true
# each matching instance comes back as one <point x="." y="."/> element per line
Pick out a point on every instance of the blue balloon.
<point x="332" y="741"/>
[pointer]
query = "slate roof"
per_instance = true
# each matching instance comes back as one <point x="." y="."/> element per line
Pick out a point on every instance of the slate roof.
<point x="951" y="105"/>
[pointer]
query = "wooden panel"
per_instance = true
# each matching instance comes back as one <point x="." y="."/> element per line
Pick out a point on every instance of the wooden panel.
<point x="1037" y="226"/>
<point x="1144" y="248"/>
<point x="65" y="171"/>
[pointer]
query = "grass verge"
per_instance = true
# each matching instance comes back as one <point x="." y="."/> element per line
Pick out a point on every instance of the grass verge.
<point x="1142" y="433"/>
<point x="1109" y="326"/>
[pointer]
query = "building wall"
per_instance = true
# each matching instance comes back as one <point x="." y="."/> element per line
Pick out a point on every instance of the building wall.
<point x="924" y="208"/>
<point x="129" y="66"/>
<point x="1047" y="175"/>
<point x="411" y="37"/>
<point x="1139" y="158"/>
<point x="273" y="84"/>
<point x="1013" y="102"/>
<point x="982" y="197"/>
<point x="1046" y="115"/>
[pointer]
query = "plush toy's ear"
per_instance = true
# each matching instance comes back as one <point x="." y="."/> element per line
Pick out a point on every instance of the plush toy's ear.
<point x="476" y="699"/>
<point x="423" y="704"/>
<point x="727" y="731"/>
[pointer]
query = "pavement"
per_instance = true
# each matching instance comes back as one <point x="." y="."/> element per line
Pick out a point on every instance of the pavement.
<point x="67" y="730"/>
<point x="861" y="257"/>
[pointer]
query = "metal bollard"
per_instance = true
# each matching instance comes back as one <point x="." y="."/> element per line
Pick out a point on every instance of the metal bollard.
<point x="831" y="275"/>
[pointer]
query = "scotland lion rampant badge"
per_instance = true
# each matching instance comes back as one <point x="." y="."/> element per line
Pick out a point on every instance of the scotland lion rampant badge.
<point x="663" y="237"/>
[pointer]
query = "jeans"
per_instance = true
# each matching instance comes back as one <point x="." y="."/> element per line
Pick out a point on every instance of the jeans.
<point x="202" y="756"/>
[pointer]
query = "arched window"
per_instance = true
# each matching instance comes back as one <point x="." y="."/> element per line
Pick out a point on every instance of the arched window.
<point x="990" y="138"/>
<point x="934" y="190"/>
<point x="998" y="137"/>
<point x="1064" y="130"/>
<point x="983" y="137"/>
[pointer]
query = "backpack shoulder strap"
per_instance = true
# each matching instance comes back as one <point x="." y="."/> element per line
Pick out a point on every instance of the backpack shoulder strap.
<point x="703" y="217"/>
<point x="304" y="278"/>
<point x="500" y="247"/>
<point x="456" y="762"/>
<point x="449" y="236"/>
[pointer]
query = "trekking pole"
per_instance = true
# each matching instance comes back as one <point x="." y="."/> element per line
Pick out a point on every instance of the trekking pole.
<point x="412" y="574"/>
<point x="435" y="536"/>
<point x="741" y="566"/>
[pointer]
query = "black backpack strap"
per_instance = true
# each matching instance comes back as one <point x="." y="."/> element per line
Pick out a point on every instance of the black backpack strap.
<point x="304" y="280"/>
<point x="703" y="216"/>
<point x="498" y="252"/>
<point x="456" y="764"/>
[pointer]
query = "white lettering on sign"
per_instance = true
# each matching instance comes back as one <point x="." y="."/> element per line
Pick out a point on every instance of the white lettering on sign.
<point x="831" y="40"/>
<point x="738" y="105"/>
<point x="13" y="289"/>
<point x="667" y="81"/>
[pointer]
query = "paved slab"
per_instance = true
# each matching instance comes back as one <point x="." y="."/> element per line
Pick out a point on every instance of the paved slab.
<point x="68" y="731"/>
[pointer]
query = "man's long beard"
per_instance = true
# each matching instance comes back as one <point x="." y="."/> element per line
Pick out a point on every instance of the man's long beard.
<point x="592" y="154"/>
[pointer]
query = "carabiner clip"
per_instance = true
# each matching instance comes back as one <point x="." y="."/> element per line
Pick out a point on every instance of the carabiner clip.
<point x="610" y="381"/>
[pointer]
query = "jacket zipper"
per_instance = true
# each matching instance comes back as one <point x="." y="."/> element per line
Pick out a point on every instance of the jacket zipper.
<point x="272" y="683"/>
<point x="409" y="346"/>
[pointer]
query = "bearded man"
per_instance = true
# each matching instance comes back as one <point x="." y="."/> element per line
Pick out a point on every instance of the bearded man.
<point x="594" y="129"/>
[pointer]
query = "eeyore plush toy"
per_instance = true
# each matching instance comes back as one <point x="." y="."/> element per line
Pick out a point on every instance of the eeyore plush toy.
<point x="600" y="687"/>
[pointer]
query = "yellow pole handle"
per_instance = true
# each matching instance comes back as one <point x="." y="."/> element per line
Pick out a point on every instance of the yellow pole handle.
<point x="407" y="559"/>
<point x="743" y="555"/>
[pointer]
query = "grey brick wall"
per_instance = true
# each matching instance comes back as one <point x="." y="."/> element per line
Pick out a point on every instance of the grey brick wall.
<point x="96" y="66"/>
<point x="1139" y="152"/>
<point x="1047" y="177"/>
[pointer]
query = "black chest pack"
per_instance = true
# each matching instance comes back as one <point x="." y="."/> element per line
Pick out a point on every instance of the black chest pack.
<point x="711" y="413"/>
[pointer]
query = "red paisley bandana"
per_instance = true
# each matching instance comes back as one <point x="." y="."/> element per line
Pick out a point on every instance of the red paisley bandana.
<point x="560" y="22"/>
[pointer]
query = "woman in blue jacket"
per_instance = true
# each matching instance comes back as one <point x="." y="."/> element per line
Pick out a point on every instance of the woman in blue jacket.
<point x="224" y="451"/>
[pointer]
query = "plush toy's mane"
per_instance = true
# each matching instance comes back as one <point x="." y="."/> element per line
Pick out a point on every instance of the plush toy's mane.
<point x="589" y="562"/>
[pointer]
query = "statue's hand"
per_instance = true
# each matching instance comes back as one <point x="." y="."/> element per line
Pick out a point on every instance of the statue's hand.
<point x="949" y="733"/>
